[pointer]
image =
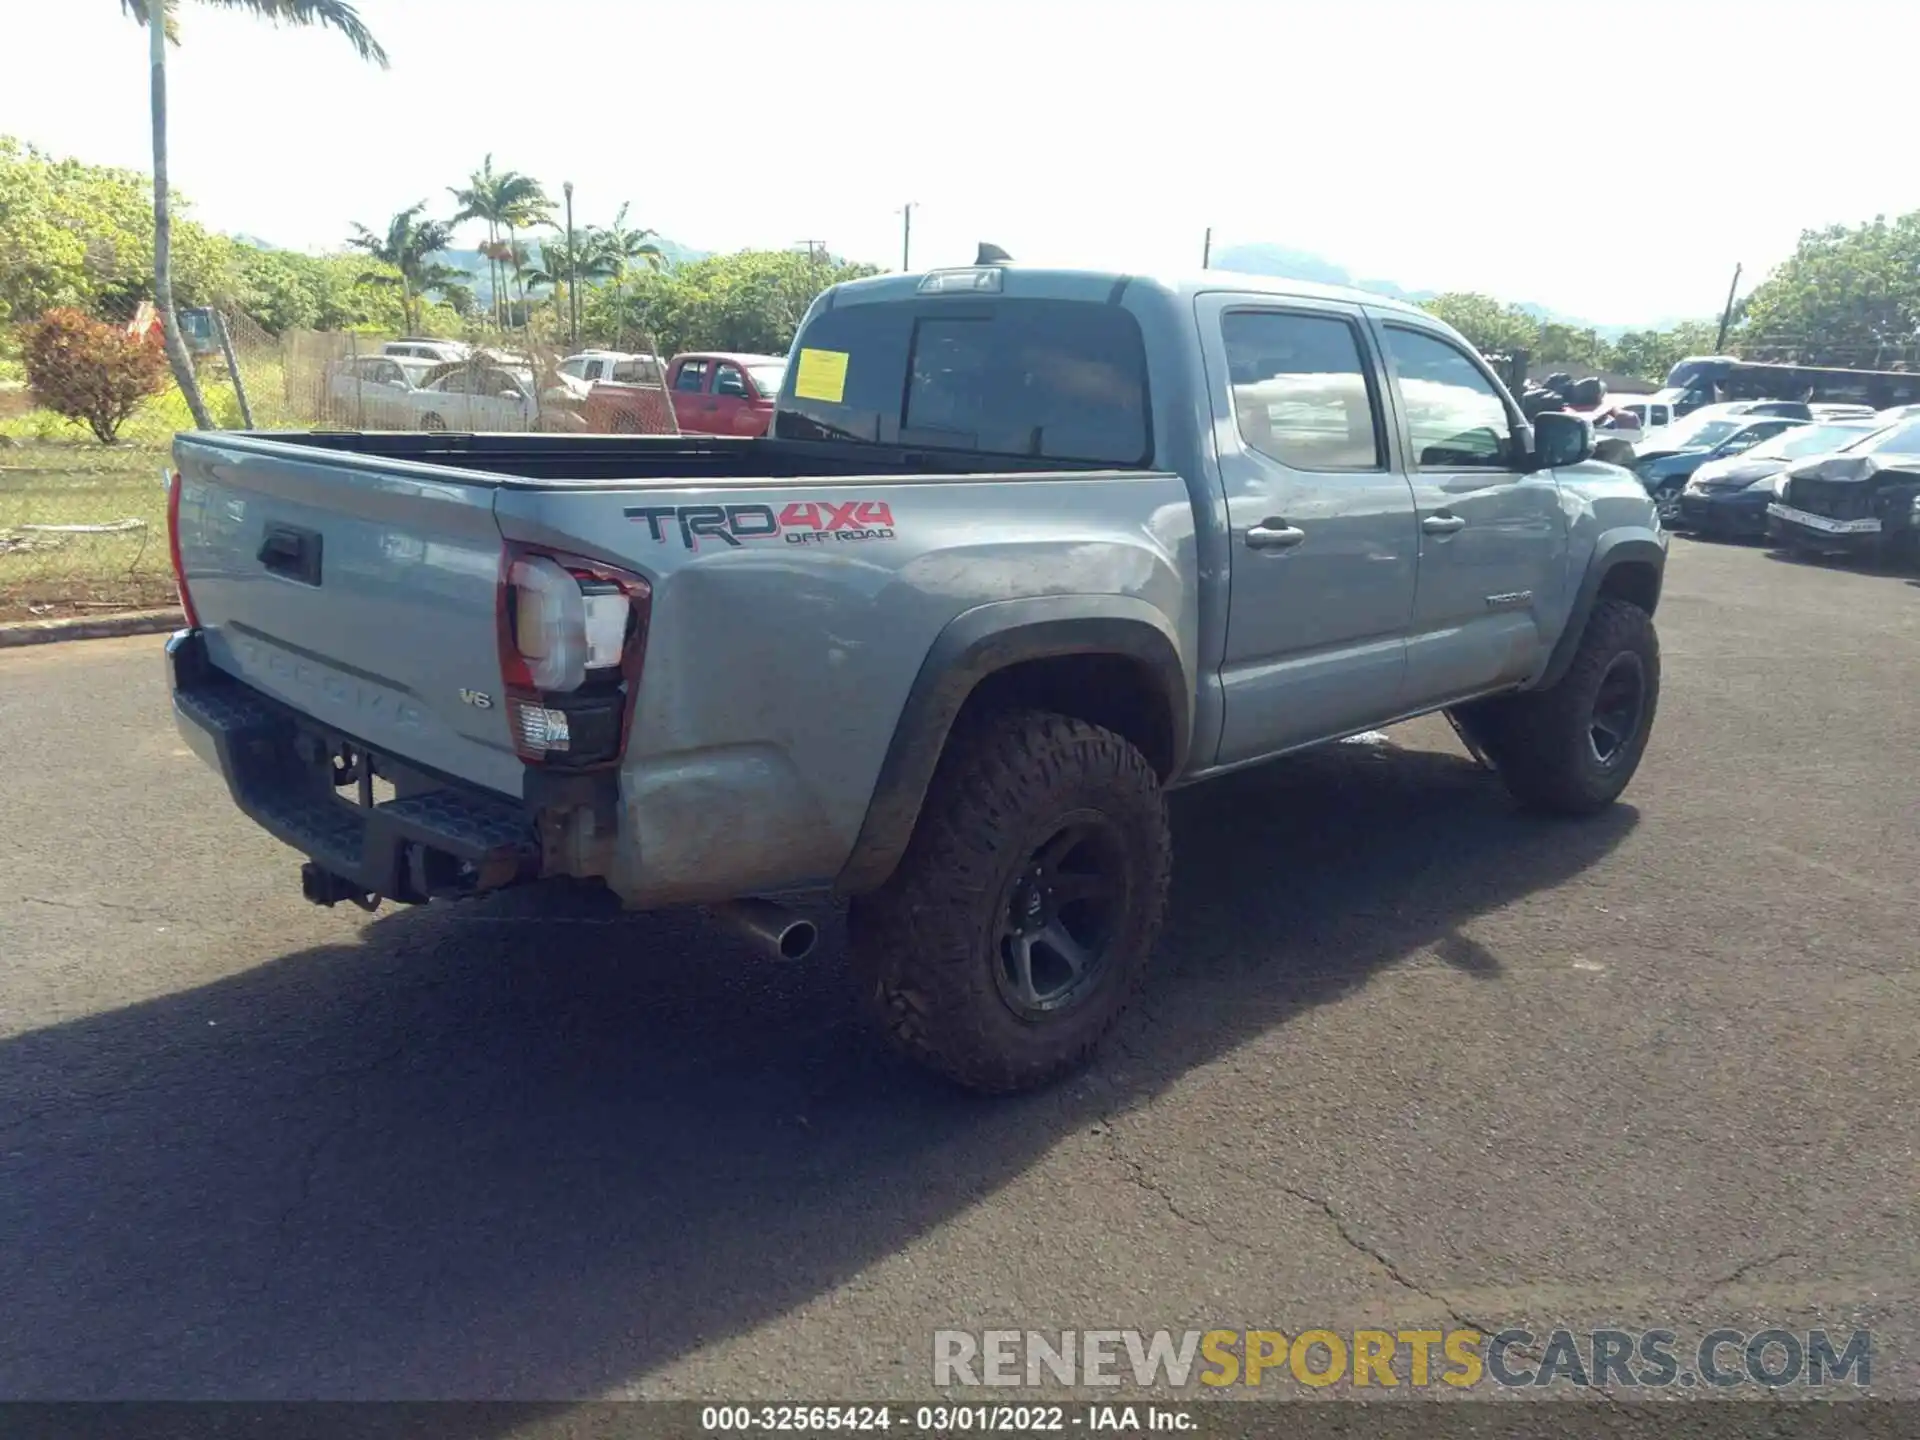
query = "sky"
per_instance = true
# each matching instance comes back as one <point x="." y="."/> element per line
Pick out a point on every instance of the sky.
<point x="1583" y="157"/>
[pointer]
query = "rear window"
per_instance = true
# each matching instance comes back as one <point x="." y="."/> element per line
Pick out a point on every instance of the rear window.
<point x="1041" y="379"/>
<point x="640" y="371"/>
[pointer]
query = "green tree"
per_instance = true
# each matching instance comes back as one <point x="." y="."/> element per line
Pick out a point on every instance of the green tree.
<point x="1650" y="354"/>
<point x="408" y="247"/>
<point x="1488" y="325"/>
<point x="751" y="301"/>
<point x="1564" y="347"/>
<point x="81" y="235"/>
<point x="334" y="14"/>
<point x="1848" y="295"/>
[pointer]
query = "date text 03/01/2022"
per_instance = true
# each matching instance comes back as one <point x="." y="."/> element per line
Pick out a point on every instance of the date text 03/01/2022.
<point x="945" y="1419"/>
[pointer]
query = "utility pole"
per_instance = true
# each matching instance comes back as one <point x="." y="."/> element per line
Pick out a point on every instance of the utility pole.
<point x="573" y="271"/>
<point x="1726" y="315"/>
<point x="906" y="236"/>
<point x="816" y="252"/>
<point x="1206" y="249"/>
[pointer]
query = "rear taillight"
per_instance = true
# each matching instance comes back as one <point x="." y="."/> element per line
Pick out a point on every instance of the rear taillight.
<point x="573" y="639"/>
<point x="175" y="484"/>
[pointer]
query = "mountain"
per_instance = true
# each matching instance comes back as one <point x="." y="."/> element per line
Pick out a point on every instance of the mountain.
<point x="1285" y="264"/>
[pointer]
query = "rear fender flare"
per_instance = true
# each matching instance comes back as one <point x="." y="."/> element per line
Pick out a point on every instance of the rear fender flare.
<point x="976" y="645"/>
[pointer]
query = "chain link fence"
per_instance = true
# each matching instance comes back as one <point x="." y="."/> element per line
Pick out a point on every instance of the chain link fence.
<point x="83" y="525"/>
<point x="516" y="382"/>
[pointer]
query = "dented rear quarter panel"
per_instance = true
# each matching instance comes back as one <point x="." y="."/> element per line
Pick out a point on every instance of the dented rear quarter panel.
<point x="779" y="660"/>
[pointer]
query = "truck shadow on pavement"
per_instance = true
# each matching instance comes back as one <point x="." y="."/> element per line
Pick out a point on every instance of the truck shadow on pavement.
<point x="516" y="1149"/>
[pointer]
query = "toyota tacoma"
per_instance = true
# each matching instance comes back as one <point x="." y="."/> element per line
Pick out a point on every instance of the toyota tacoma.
<point x="1022" y="551"/>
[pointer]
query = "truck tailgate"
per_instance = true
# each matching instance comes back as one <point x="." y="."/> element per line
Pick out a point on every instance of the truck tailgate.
<point x="361" y="594"/>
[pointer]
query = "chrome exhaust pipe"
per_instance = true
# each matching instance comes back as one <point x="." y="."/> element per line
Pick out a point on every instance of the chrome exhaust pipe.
<point x="780" y="933"/>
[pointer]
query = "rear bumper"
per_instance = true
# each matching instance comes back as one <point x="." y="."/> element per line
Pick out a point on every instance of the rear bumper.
<point x="435" y="838"/>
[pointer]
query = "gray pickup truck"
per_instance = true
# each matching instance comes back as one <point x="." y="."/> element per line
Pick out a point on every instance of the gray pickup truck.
<point x="1024" y="550"/>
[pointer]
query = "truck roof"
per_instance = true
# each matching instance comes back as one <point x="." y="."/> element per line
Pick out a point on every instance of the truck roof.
<point x="1063" y="283"/>
<point x="741" y="357"/>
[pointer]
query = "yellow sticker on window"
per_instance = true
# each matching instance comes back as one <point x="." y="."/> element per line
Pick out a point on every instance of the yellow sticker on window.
<point x="823" y="375"/>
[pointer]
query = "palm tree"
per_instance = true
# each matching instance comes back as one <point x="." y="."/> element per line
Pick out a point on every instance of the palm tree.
<point x="409" y="246"/>
<point x="481" y="201"/>
<point x="505" y="200"/>
<point x="592" y="261"/>
<point x="628" y="245"/>
<point x="329" y="14"/>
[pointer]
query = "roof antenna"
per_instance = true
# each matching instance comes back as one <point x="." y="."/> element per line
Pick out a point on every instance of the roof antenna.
<point x="991" y="255"/>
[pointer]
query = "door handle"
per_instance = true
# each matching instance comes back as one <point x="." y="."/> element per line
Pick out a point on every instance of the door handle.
<point x="1443" y="524"/>
<point x="1274" y="534"/>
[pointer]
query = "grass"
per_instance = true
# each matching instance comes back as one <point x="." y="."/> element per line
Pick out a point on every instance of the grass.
<point x="81" y="482"/>
<point x="53" y="472"/>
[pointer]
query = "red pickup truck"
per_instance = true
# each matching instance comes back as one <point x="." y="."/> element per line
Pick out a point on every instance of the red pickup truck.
<point x="715" y="393"/>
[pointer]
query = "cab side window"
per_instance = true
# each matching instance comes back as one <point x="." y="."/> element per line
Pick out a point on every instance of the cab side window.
<point x="692" y="376"/>
<point x="1455" y="416"/>
<point x="1301" y="390"/>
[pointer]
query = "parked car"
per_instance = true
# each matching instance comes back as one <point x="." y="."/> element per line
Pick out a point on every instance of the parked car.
<point x="376" y="392"/>
<point x="1864" y="501"/>
<point x="1842" y="412"/>
<point x="626" y="392"/>
<point x="1894" y="414"/>
<point x="1729" y="497"/>
<point x="722" y="394"/>
<point x="469" y="396"/>
<point x="440" y="351"/>
<point x="940" y="643"/>
<point x="620" y="367"/>
<point x="1792" y="409"/>
<point x="1652" y="414"/>
<point x="1694" y="441"/>
<point x="1654" y="417"/>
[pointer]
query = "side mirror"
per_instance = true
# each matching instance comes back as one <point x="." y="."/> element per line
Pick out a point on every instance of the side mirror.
<point x="1560" y="438"/>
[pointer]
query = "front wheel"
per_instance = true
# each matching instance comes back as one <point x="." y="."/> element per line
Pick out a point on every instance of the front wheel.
<point x="1667" y="501"/>
<point x="1020" y="921"/>
<point x="1571" y="749"/>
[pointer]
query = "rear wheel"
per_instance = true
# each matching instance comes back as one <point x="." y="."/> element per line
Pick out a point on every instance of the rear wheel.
<point x="625" y="422"/>
<point x="432" y="422"/>
<point x="1019" y="923"/>
<point x="1571" y="749"/>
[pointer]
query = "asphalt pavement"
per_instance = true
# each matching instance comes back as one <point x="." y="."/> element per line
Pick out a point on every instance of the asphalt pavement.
<point x="1410" y="1058"/>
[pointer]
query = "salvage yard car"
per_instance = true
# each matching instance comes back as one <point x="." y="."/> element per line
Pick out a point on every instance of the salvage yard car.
<point x="1864" y="501"/>
<point x="1729" y="497"/>
<point x="1025" y="549"/>
<point x="470" y="395"/>
<point x="376" y="392"/>
<point x="1693" y="442"/>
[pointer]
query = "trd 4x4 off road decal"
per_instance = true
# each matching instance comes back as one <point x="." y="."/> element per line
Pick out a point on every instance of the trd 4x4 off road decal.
<point x="805" y="522"/>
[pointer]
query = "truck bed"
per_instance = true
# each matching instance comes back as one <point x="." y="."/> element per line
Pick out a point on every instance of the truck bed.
<point x="549" y="459"/>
